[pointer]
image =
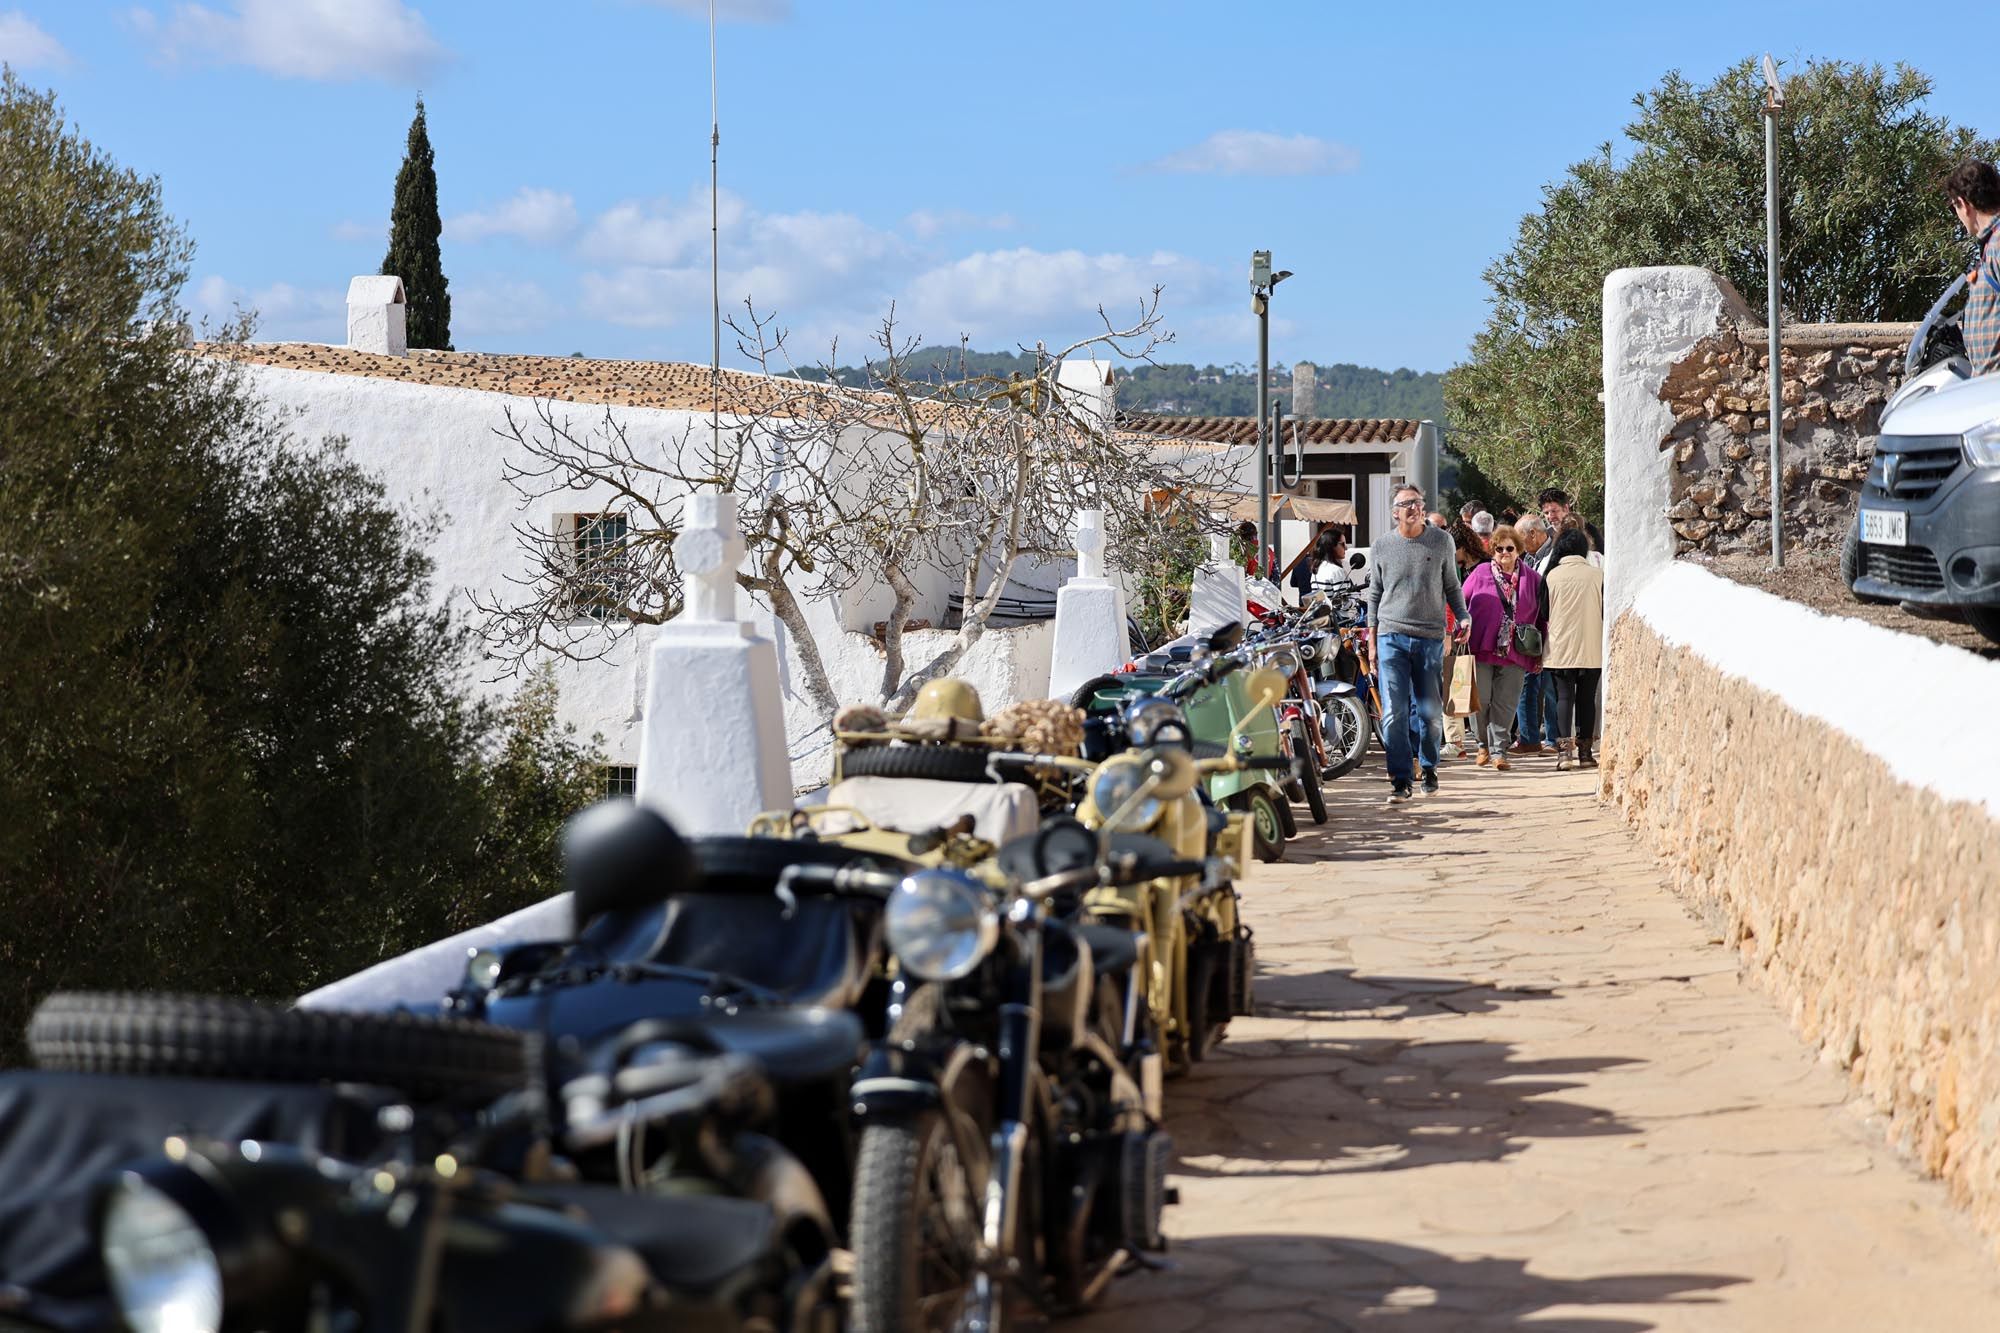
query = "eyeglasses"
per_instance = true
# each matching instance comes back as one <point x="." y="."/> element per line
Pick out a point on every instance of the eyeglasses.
<point x="1503" y="550"/>
<point x="1409" y="504"/>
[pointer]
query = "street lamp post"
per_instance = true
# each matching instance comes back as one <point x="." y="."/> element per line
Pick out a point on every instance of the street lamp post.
<point x="1262" y="283"/>
<point x="1774" y="102"/>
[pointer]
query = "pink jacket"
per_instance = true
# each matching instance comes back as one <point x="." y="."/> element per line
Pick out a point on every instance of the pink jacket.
<point x="1482" y="599"/>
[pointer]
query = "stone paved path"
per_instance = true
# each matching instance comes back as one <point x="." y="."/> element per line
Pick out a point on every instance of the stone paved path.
<point x="1500" y="1080"/>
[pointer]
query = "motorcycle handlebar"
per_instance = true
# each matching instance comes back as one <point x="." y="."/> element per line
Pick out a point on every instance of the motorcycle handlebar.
<point x="854" y="879"/>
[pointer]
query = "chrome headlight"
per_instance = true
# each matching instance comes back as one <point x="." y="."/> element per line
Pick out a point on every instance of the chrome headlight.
<point x="941" y="924"/>
<point x="1982" y="445"/>
<point x="1116" y="782"/>
<point x="1155" y="721"/>
<point x="163" y="1270"/>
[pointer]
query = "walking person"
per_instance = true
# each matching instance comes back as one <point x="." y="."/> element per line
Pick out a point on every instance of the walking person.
<point x="1470" y="553"/>
<point x="1535" y="719"/>
<point x="1575" y="655"/>
<point x="1412" y="582"/>
<point x="1505" y="598"/>
<point x="1974" y="190"/>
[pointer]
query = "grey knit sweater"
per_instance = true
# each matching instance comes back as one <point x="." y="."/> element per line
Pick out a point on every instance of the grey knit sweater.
<point x="1410" y="583"/>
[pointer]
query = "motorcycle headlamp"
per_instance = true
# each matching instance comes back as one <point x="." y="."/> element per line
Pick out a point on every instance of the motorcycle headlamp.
<point x="163" y="1269"/>
<point x="1982" y="445"/>
<point x="941" y="924"/>
<point x="1155" y="721"/>
<point x="1114" y="784"/>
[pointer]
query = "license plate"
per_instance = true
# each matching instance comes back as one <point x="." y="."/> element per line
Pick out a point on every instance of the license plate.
<point x="1885" y="527"/>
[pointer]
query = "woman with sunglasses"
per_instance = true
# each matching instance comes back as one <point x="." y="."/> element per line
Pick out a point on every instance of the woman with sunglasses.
<point x="1509" y="607"/>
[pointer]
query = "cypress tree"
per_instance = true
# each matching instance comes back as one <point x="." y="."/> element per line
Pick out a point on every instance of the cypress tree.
<point x="413" y="242"/>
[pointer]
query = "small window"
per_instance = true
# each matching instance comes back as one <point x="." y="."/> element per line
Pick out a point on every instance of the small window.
<point x="603" y="577"/>
<point x="620" y="780"/>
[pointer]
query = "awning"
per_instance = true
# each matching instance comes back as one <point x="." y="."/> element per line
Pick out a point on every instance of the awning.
<point x="1321" y="511"/>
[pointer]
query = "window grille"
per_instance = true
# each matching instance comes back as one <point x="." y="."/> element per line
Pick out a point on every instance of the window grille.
<point x="620" y="780"/>
<point x="603" y="574"/>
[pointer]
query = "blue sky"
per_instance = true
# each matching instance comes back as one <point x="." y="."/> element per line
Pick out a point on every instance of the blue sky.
<point x="996" y="171"/>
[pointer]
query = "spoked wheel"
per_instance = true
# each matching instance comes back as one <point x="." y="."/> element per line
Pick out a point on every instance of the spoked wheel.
<point x="1267" y="827"/>
<point x="1305" y="767"/>
<point x="916" y="1231"/>
<point x="1346" y="722"/>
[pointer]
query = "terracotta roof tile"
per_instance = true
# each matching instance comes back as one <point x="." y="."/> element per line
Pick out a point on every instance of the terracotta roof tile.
<point x="1243" y="430"/>
<point x="658" y="384"/>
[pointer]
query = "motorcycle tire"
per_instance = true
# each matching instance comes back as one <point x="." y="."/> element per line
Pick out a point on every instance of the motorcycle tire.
<point x="899" y="1166"/>
<point x="732" y="863"/>
<point x="1267" y="830"/>
<point x="1081" y="696"/>
<point x="941" y="763"/>
<point x="197" y="1036"/>
<point x="1306" y="770"/>
<point x="1204" y="956"/>
<point x="1348" y="727"/>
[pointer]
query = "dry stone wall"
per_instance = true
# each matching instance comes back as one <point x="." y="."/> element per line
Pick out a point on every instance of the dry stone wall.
<point x="1868" y="907"/>
<point x="1836" y="378"/>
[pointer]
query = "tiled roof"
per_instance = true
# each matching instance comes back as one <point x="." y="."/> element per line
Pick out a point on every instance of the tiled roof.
<point x="661" y="384"/>
<point x="1243" y="430"/>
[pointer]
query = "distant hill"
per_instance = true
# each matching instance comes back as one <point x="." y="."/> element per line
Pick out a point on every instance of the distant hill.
<point x="1221" y="391"/>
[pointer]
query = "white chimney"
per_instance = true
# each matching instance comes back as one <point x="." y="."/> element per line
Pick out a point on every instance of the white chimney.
<point x="377" y="318"/>
<point x="1091" y="390"/>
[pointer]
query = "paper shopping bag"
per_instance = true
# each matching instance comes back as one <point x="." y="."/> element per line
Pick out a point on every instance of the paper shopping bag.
<point x="1463" y="700"/>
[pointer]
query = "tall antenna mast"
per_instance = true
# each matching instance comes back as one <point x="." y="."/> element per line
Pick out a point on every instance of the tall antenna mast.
<point x="714" y="254"/>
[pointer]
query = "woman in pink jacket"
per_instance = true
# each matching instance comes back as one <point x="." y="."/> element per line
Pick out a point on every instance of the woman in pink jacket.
<point x="1508" y="604"/>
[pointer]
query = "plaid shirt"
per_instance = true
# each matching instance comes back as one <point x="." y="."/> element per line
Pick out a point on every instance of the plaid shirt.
<point x="1981" y="322"/>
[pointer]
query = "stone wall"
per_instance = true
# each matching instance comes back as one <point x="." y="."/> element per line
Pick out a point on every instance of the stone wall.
<point x="1854" y="868"/>
<point x="1836" y="378"/>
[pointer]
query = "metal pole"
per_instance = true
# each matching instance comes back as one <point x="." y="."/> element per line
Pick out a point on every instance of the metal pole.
<point x="1263" y="416"/>
<point x="1773" y="101"/>
<point x="714" y="252"/>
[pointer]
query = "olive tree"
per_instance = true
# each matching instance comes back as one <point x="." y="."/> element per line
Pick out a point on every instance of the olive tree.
<point x="1864" y="231"/>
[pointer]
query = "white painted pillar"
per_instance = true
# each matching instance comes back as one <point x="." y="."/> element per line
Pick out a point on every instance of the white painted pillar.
<point x="1091" y="637"/>
<point x="1653" y="317"/>
<point x="1217" y="598"/>
<point x="712" y="752"/>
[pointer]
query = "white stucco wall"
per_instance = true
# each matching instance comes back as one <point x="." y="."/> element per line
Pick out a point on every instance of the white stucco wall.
<point x="1652" y="318"/>
<point x="436" y="447"/>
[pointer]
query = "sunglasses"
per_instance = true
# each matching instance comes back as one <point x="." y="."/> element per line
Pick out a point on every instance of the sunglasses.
<point x="1503" y="550"/>
<point x="1409" y="504"/>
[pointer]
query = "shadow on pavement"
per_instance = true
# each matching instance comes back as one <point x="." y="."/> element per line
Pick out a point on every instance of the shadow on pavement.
<point x="1333" y="1282"/>
<point x="1317" y="1107"/>
<point x="1342" y="992"/>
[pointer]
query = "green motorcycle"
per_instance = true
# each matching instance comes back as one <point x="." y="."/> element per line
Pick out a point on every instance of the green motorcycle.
<point x="1209" y="681"/>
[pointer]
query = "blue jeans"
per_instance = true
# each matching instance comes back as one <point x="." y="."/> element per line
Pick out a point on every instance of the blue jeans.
<point x="1412" y="702"/>
<point x="1550" y="735"/>
<point x="1528" y="713"/>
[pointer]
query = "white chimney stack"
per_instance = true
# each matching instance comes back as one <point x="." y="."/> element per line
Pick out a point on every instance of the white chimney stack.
<point x="377" y="318"/>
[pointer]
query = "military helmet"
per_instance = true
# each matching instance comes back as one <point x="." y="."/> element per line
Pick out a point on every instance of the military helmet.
<point x="944" y="700"/>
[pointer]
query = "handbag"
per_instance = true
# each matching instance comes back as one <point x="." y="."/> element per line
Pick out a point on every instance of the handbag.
<point x="1527" y="638"/>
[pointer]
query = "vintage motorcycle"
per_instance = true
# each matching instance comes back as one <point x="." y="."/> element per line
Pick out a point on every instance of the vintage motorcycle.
<point x="1017" y="1098"/>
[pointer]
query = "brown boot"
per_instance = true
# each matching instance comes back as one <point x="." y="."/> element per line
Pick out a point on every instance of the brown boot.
<point x="1565" y="756"/>
<point x="1584" y="759"/>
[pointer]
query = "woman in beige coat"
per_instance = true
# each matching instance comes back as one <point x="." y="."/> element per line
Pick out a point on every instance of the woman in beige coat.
<point x="1575" y="655"/>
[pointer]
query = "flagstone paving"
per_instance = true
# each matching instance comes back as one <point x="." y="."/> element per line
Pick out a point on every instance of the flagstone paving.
<point x="1499" y="1079"/>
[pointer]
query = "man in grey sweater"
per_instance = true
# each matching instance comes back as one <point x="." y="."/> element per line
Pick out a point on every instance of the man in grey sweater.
<point x="1413" y="578"/>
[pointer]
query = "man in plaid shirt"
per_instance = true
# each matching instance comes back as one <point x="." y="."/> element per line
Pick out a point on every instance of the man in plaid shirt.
<point x="1974" y="189"/>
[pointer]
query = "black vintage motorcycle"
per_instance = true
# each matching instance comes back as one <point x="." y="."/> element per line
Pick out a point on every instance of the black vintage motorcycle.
<point x="1016" y="1100"/>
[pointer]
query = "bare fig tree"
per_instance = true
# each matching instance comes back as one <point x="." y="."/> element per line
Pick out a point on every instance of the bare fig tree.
<point x="915" y="470"/>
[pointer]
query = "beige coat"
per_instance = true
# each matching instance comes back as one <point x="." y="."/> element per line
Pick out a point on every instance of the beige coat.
<point x="1576" y="615"/>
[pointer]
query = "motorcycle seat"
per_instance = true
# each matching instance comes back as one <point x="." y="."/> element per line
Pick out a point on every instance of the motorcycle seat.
<point x="1112" y="948"/>
<point x="692" y="1242"/>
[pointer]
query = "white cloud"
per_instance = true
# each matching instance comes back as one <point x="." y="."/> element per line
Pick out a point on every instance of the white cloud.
<point x="540" y="217"/>
<point x="500" y="307"/>
<point x="1006" y="293"/>
<point x="284" y="313"/>
<point x="926" y="223"/>
<point x="24" y="44"/>
<point x="330" y="40"/>
<point x="1260" y="153"/>
<point x="657" y="254"/>
<point x="732" y="11"/>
